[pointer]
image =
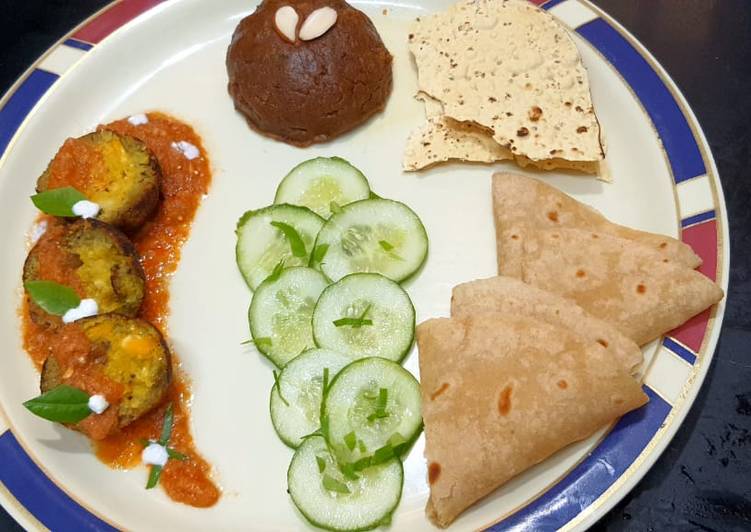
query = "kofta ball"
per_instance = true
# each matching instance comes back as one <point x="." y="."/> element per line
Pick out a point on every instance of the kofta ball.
<point x="94" y="259"/>
<point x="308" y="91"/>
<point x="117" y="172"/>
<point x="124" y="359"/>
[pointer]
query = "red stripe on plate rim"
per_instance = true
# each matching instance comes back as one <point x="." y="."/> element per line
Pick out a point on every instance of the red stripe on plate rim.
<point x="117" y="15"/>
<point x="703" y="239"/>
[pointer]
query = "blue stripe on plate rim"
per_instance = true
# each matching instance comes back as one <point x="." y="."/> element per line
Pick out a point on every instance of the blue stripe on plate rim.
<point x="679" y="349"/>
<point x="582" y="485"/>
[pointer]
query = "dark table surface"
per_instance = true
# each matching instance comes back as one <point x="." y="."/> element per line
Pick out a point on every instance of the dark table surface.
<point x="703" y="480"/>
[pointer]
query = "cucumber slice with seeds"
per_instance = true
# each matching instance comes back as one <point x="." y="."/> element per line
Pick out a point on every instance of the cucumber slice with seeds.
<point x="318" y="182"/>
<point x="280" y="313"/>
<point x="261" y="245"/>
<point x="295" y="402"/>
<point x="374" y="235"/>
<point x="362" y="419"/>
<point x="365" y="314"/>
<point x="330" y="500"/>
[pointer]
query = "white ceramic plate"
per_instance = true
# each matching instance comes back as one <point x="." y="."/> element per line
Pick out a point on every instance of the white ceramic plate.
<point x="146" y="55"/>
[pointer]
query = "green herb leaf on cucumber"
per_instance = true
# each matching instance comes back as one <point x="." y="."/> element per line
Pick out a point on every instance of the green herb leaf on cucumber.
<point x="380" y="410"/>
<point x="319" y="252"/>
<point x="296" y="243"/>
<point x="355" y="323"/>
<point x="332" y="484"/>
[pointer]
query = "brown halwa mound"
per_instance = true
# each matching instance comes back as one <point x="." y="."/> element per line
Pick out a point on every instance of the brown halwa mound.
<point x="308" y="91"/>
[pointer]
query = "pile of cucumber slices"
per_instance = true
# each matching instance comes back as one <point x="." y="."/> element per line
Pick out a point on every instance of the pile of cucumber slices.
<point x="324" y="263"/>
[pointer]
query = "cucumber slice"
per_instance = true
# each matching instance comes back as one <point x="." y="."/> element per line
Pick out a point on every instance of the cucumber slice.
<point x="388" y="318"/>
<point x="261" y="246"/>
<point x="300" y="384"/>
<point x="280" y="313"/>
<point x="342" y="504"/>
<point x="374" y="235"/>
<point x="358" y="422"/>
<point x="317" y="182"/>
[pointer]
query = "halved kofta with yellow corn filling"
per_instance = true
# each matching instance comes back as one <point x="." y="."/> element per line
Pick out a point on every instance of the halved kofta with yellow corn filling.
<point x="94" y="259"/>
<point x="117" y="172"/>
<point x="126" y="360"/>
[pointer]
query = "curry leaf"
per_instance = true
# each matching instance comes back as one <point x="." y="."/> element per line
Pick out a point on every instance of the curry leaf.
<point x="58" y="201"/>
<point x="52" y="297"/>
<point x="296" y="243"/>
<point x="63" y="404"/>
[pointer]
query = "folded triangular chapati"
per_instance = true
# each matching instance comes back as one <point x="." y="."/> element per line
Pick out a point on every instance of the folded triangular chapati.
<point x="502" y="393"/>
<point x="513" y="297"/>
<point x="521" y="200"/>
<point x="631" y="286"/>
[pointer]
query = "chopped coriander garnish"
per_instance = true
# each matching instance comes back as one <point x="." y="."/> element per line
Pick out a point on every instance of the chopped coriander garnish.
<point x="348" y="470"/>
<point x="381" y="402"/>
<point x="319" y="252"/>
<point x="361" y="446"/>
<point x="296" y="243"/>
<point x="167" y="426"/>
<point x="174" y="455"/>
<point x="351" y="440"/>
<point x="384" y="454"/>
<point x="321" y="464"/>
<point x="169" y="419"/>
<point x="279" y="388"/>
<point x="263" y="342"/>
<point x="388" y="247"/>
<point x="335" y="208"/>
<point x="276" y="272"/>
<point x="154" y="474"/>
<point x="385" y="245"/>
<point x="355" y="323"/>
<point x="325" y="380"/>
<point x="332" y="484"/>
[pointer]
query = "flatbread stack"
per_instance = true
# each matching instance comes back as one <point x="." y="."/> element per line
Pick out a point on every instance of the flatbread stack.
<point x="502" y="80"/>
<point x="642" y="283"/>
<point x="501" y="393"/>
<point x="548" y="352"/>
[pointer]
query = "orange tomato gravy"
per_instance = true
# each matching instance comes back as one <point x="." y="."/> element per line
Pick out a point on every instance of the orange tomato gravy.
<point x="159" y="243"/>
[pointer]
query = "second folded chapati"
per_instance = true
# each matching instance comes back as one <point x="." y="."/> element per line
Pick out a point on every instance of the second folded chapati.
<point x="512" y="297"/>
<point x="501" y="393"/>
